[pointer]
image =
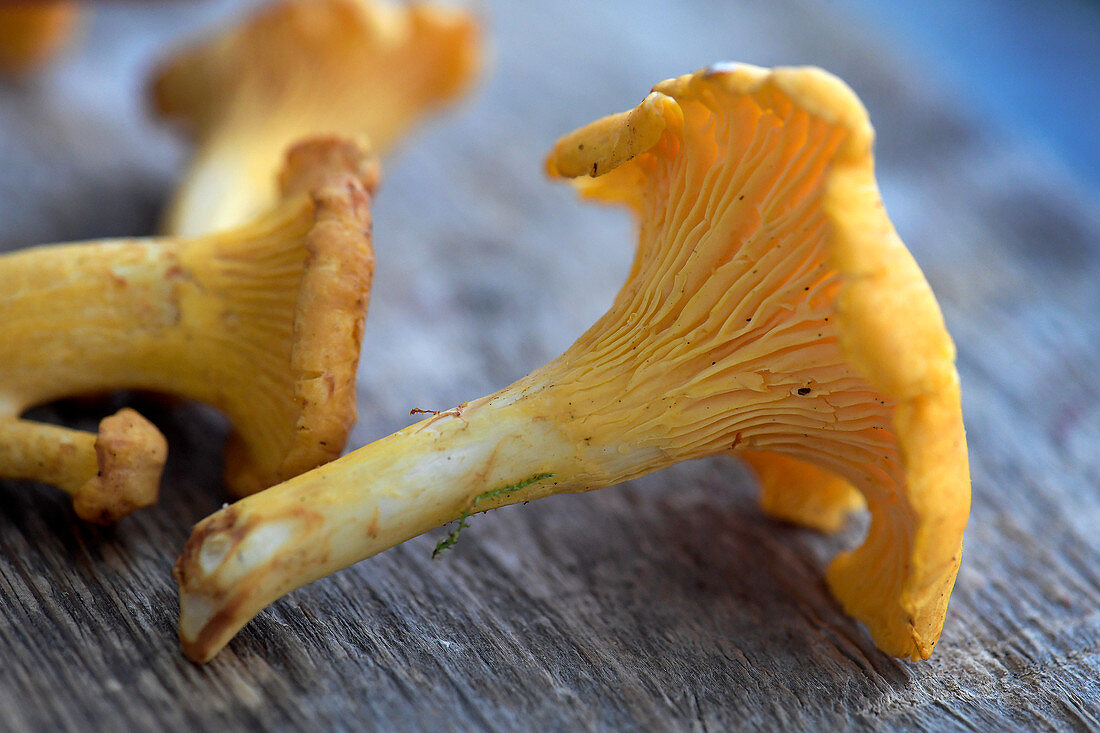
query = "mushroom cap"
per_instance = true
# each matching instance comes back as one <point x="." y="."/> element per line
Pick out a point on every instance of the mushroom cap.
<point x="355" y="68"/>
<point x="773" y="308"/>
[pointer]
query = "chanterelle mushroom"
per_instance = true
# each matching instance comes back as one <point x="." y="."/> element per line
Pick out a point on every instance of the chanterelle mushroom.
<point x="263" y="322"/>
<point x="108" y="474"/>
<point x="770" y="307"/>
<point x="32" y="31"/>
<point x="357" y="68"/>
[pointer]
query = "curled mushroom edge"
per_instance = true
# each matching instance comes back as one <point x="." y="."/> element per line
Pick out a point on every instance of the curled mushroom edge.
<point x="771" y="309"/>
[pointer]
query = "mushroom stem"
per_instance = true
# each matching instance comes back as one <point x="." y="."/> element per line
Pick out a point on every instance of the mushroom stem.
<point x="567" y="427"/>
<point x="56" y="455"/>
<point x="166" y="315"/>
<point x="498" y="450"/>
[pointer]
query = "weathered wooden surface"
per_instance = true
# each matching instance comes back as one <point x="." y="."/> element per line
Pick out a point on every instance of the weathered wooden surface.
<point x="668" y="603"/>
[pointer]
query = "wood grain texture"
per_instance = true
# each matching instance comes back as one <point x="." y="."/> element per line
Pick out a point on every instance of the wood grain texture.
<point x="666" y="603"/>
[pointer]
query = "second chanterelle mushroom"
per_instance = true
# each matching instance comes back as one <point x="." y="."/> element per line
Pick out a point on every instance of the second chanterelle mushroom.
<point x="356" y="68"/>
<point x="263" y="322"/>
<point x="771" y="307"/>
<point x="31" y="33"/>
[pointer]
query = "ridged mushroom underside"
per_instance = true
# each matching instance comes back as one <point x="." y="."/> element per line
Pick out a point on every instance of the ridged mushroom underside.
<point x="772" y="308"/>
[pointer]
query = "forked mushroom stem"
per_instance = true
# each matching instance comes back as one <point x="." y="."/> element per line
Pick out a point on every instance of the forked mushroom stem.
<point x="771" y="308"/>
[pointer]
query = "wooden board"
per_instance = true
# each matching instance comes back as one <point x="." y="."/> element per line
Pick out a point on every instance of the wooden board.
<point x="666" y="603"/>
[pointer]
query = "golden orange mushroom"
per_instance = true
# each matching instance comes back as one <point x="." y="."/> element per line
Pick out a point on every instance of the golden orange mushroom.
<point x="34" y="31"/>
<point x="263" y="322"/>
<point x="771" y="307"/>
<point x="108" y="474"/>
<point x="356" y="68"/>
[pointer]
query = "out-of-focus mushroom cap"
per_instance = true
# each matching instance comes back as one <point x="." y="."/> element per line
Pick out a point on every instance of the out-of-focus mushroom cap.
<point x="33" y="32"/>
<point x="355" y="68"/>
<point x="348" y="50"/>
<point x="887" y="321"/>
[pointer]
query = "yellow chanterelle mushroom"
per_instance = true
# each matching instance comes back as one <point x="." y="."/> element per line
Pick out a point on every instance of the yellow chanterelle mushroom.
<point x="771" y="307"/>
<point x="263" y="322"/>
<point x="356" y="68"/>
<point x="34" y="31"/>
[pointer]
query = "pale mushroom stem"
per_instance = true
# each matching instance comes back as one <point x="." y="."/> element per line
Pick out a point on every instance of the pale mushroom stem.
<point x="495" y="451"/>
<point x="59" y="456"/>
<point x="262" y="321"/>
<point x="91" y="318"/>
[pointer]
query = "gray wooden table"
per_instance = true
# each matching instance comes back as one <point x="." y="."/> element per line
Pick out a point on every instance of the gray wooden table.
<point x="667" y="603"/>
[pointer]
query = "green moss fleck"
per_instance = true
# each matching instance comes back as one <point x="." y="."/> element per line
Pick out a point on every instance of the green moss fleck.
<point x="451" y="539"/>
